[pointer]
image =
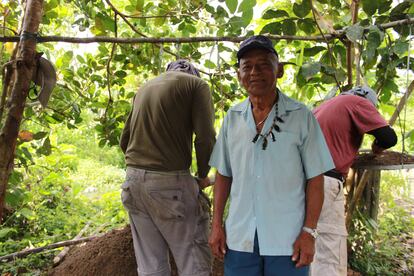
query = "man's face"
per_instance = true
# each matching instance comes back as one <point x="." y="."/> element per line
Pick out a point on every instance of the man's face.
<point x="258" y="70"/>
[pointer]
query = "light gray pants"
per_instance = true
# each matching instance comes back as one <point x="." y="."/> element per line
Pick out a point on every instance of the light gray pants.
<point x="166" y="211"/>
<point x="331" y="253"/>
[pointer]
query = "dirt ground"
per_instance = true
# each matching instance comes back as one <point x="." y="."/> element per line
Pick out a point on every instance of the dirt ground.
<point x="112" y="254"/>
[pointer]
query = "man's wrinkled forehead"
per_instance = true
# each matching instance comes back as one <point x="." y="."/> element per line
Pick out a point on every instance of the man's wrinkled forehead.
<point x="258" y="55"/>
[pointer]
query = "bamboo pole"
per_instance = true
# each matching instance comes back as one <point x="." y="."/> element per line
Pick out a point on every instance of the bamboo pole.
<point x="23" y="71"/>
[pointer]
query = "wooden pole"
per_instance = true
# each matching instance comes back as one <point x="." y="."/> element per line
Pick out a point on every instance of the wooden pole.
<point x="401" y="104"/>
<point x="357" y="195"/>
<point x="24" y="68"/>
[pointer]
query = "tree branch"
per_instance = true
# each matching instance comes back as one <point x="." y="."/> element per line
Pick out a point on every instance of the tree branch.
<point x="401" y="104"/>
<point x="331" y="56"/>
<point x="101" y="39"/>
<point x="24" y="253"/>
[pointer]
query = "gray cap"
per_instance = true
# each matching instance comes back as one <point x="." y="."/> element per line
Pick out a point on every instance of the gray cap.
<point x="255" y="42"/>
<point x="363" y="91"/>
<point x="183" y="65"/>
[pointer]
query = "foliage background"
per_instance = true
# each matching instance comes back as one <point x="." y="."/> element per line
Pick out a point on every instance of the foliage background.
<point x="68" y="167"/>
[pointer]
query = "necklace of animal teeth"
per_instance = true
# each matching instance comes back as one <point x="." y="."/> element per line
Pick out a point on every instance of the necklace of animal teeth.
<point x="274" y="126"/>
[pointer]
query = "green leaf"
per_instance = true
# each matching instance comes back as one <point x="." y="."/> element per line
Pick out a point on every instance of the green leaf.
<point x="15" y="177"/>
<point x="120" y="74"/>
<point x="104" y="23"/>
<point x="400" y="47"/>
<point x="46" y="148"/>
<point x="39" y="135"/>
<point x="209" y="64"/>
<point x="307" y="25"/>
<point x="400" y="8"/>
<point x="5" y="231"/>
<point x="384" y="6"/>
<point x="308" y="70"/>
<point x="232" y="5"/>
<point x="80" y="59"/>
<point x="247" y="17"/>
<point x="370" y="6"/>
<point x="289" y="27"/>
<point x="302" y="10"/>
<point x="271" y="14"/>
<point x="354" y="33"/>
<point x="27" y="154"/>
<point x="27" y="213"/>
<point x="310" y="52"/>
<point x="272" y="28"/>
<point x="189" y="28"/>
<point x="140" y="5"/>
<point x="247" y="6"/>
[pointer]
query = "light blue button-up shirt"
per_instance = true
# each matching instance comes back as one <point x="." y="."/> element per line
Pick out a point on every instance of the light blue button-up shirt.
<point x="268" y="188"/>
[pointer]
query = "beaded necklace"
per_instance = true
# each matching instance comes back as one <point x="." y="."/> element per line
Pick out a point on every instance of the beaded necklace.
<point x="274" y="126"/>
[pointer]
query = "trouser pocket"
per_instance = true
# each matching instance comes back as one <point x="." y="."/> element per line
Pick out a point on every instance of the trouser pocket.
<point x="168" y="203"/>
<point x="126" y="197"/>
<point x="201" y="250"/>
<point x="331" y="248"/>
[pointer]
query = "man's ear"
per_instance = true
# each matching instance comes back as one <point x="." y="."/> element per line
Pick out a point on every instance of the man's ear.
<point x="280" y="70"/>
<point x="238" y="75"/>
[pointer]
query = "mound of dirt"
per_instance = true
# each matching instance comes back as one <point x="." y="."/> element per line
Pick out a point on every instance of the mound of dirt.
<point x="111" y="254"/>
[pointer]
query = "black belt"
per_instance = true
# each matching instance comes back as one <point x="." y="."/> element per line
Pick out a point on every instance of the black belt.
<point x="335" y="174"/>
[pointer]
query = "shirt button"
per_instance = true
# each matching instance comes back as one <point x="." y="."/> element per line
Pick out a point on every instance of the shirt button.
<point x="258" y="176"/>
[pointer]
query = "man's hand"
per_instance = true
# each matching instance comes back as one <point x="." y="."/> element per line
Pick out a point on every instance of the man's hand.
<point x="203" y="182"/>
<point x="217" y="241"/>
<point x="303" y="249"/>
<point x="375" y="148"/>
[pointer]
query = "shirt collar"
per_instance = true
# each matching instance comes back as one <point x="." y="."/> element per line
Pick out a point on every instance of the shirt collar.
<point x="286" y="104"/>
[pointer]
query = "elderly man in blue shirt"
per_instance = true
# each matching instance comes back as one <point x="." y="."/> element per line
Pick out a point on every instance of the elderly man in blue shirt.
<point x="270" y="158"/>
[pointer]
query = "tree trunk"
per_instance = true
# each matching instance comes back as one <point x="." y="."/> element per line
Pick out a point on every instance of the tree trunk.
<point x="24" y="67"/>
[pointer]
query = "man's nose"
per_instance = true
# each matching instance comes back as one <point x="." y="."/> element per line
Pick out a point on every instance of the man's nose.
<point x="255" y="69"/>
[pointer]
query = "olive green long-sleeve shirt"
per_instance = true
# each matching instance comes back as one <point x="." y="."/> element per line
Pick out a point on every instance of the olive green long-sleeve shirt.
<point x="166" y="112"/>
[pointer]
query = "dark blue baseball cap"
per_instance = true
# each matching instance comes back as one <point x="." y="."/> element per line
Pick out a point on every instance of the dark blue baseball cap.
<point x="255" y="42"/>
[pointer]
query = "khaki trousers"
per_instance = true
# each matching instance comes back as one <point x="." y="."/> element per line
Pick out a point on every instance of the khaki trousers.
<point x="166" y="212"/>
<point x="331" y="252"/>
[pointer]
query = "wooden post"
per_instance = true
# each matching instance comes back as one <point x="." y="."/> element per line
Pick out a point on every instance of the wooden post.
<point x="375" y="194"/>
<point x="357" y="195"/>
<point x="24" y="67"/>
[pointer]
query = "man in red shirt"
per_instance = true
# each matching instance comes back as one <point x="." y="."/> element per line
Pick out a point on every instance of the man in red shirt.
<point x="344" y="120"/>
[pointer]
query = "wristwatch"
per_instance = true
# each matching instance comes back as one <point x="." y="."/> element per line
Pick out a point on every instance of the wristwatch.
<point x="314" y="233"/>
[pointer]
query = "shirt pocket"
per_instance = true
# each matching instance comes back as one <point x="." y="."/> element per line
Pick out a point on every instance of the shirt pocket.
<point x="168" y="203"/>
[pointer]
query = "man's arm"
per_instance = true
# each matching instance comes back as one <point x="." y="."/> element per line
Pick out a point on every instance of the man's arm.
<point x="385" y="138"/>
<point x="124" y="140"/>
<point x="217" y="240"/>
<point x="203" y="124"/>
<point x="304" y="246"/>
